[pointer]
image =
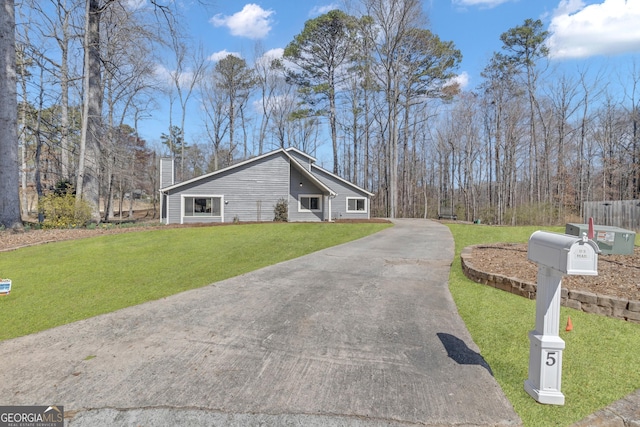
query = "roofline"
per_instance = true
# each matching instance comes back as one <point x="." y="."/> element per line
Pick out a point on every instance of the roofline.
<point x="344" y="181"/>
<point x="313" y="159"/>
<point x="228" y="168"/>
<point x="309" y="175"/>
<point x="301" y="168"/>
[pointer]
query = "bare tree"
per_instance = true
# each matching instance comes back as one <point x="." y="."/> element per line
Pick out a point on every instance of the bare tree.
<point x="88" y="181"/>
<point x="590" y="94"/>
<point x="190" y="66"/>
<point x="564" y="102"/>
<point x="501" y="101"/>
<point x="411" y="63"/>
<point x="524" y="46"/>
<point x="235" y="81"/>
<point x="59" y="28"/>
<point x="268" y="74"/>
<point x="303" y="131"/>
<point x="128" y="70"/>
<point x="282" y="107"/>
<point x="88" y="178"/>
<point x="216" y="118"/>
<point x="353" y="127"/>
<point x="392" y="21"/>
<point x="364" y="61"/>
<point x="632" y="109"/>
<point x="9" y="168"/>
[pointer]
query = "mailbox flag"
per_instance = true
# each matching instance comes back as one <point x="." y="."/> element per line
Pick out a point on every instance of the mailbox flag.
<point x="590" y="233"/>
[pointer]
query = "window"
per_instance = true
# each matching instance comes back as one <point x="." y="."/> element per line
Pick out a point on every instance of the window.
<point x="356" y="204"/>
<point x="202" y="206"/>
<point x="310" y="203"/>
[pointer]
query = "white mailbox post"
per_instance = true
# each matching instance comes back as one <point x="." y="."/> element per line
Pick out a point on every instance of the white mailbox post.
<point x="556" y="255"/>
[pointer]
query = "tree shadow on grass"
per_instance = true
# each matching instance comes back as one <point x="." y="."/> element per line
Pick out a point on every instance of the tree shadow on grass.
<point x="460" y="353"/>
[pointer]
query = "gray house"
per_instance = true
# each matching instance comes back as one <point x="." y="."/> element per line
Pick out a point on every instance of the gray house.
<point x="250" y="190"/>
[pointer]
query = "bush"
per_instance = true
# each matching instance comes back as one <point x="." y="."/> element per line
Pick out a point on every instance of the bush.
<point x="63" y="187"/>
<point x="533" y="214"/>
<point x="281" y="211"/>
<point x="64" y="211"/>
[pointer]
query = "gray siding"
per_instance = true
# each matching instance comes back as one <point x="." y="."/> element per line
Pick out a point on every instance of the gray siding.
<point x="167" y="176"/>
<point x="302" y="158"/>
<point x="166" y="172"/>
<point x="344" y="190"/>
<point x="250" y="191"/>
<point x="307" y="188"/>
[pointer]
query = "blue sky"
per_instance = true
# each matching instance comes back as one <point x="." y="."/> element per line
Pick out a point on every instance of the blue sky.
<point x="583" y="32"/>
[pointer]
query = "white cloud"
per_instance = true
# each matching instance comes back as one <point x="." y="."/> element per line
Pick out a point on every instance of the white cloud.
<point x="488" y="4"/>
<point x="461" y="79"/>
<point x="567" y="7"/>
<point x="167" y="77"/>
<point x="217" y="56"/>
<point x="269" y="56"/>
<point x="321" y="10"/>
<point x="163" y="74"/>
<point x="274" y="53"/>
<point x="608" y="28"/>
<point x="252" y="22"/>
<point x="135" y="4"/>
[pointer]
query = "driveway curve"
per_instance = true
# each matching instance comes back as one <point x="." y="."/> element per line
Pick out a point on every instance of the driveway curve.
<point x="361" y="334"/>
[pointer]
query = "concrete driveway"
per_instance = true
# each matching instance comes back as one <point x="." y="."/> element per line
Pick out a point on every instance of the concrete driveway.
<point x="362" y="334"/>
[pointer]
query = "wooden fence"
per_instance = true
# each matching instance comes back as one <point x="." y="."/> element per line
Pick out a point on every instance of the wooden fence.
<point x="616" y="213"/>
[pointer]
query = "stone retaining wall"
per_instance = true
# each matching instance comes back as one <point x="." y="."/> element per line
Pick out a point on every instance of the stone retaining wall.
<point x="588" y="302"/>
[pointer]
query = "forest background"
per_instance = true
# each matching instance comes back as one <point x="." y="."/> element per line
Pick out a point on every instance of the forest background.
<point x="528" y="145"/>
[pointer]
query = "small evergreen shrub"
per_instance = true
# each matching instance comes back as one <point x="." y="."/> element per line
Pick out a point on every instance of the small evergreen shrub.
<point x="64" y="211"/>
<point x="281" y="211"/>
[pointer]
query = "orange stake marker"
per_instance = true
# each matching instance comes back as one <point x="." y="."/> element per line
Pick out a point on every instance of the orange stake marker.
<point x="569" y="325"/>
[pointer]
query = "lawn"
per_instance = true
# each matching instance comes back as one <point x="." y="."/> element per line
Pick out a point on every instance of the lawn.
<point x="600" y="362"/>
<point x="62" y="282"/>
<point x="59" y="283"/>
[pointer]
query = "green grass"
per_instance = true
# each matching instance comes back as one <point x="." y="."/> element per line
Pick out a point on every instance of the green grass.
<point x="59" y="283"/>
<point x="601" y="361"/>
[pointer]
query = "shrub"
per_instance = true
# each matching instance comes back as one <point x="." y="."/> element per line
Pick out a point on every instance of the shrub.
<point x="281" y="211"/>
<point x="64" y="211"/>
<point x="63" y="187"/>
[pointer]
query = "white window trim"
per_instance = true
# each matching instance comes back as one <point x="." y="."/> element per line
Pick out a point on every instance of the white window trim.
<point x="318" y="196"/>
<point x="357" y="211"/>
<point x="201" y="196"/>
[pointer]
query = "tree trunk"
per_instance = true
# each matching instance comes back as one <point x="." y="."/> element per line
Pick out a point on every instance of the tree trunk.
<point x="333" y="126"/>
<point x="23" y="137"/>
<point x="65" y="144"/>
<point x="9" y="166"/>
<point x="38" y="154"/>
<point x="88" y="187"/>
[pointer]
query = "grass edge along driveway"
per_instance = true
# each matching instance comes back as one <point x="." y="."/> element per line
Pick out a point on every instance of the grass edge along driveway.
<point x="59" y="283"/>
<point x="601" y="361"/>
